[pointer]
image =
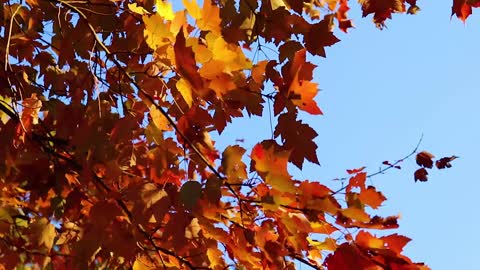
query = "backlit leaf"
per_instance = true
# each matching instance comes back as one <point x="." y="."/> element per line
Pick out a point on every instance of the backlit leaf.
<point x="159" y="119"/>
<point x="273" y="163"/>
<point x="303" y="91"/>
<point x="372" y="197"/>
<point x="164" y="9"/>
<point x="233" y="165"/>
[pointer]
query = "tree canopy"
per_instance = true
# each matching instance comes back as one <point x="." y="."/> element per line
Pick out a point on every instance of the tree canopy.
<point x="107" y="108"/>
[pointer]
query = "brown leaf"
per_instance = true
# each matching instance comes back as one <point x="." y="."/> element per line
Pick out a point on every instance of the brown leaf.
<point x="190" y="193"/>
<point x="424" y="159"/>
<point x="421" y="175"/>
<point x="320" y="36"/>
<point x="445" y="162"/>
<point x="185" y="62"/>
<point x="297" y="137"/>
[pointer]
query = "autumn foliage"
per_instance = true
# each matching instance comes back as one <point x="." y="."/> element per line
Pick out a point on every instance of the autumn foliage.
<point x="107" y="110"/>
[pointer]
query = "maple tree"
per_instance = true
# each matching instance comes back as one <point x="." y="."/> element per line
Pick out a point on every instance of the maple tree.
<point x="107" y="108"/>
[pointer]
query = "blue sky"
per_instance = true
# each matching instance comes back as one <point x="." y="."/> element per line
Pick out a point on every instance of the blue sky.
<point x="381" y="90"/>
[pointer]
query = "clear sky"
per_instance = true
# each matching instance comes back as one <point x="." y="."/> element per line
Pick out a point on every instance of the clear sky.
<point x="381" y="90"/>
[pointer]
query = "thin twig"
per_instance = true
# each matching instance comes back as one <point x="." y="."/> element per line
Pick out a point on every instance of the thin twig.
<point x="383" y="170"/>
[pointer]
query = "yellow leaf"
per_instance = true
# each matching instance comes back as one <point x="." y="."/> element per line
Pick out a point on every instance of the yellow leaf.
<point x="329" y="244"/>
<point x="277" y="4"/>
<point x="137" y="9"/>
<point x="315" y="255"/>
<point x="274" y="164"/>
<point x="202" y="53"/>
<point x="141" y="265"/>
<point x="231" y="55"/>
<point x="157" y="33"/>
<point x="165" y="10"/>
<point x="332" y="4"/>
<point x="220" y="48"/>
<point x="158" y="118"/>
<point x="215" y="257"/>
<point x="178" y="22"/>
<point x="185" y="90"/>
<point x="356" y="214"/>
<point x="3" y="116"/>
<point x="327" y="204"/>
<point x="193" y="9"/>
<point x="210" y="18"/>
<point x="44" y="232"/>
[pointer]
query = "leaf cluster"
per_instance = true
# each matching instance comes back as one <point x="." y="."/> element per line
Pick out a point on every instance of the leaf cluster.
<point x="107" y="161"/>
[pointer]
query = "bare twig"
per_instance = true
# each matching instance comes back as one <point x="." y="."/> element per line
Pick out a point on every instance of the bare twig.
<point x="383" y="170"/>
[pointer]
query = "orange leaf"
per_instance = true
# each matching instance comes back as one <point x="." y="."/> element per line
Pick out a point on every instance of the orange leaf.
<point x="273" y="163"/>
<point x="367" y="240"/>
<point x="232" y="164"/>
<point x="356" y="214"/>
<point x="395" y="242"/>
<point x="371" y="197"/>
<point x="357" y="181"/>
<point x="302" y="91"/>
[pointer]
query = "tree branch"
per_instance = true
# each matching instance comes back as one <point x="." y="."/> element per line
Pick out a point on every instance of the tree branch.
<point x="383" y="170"/>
